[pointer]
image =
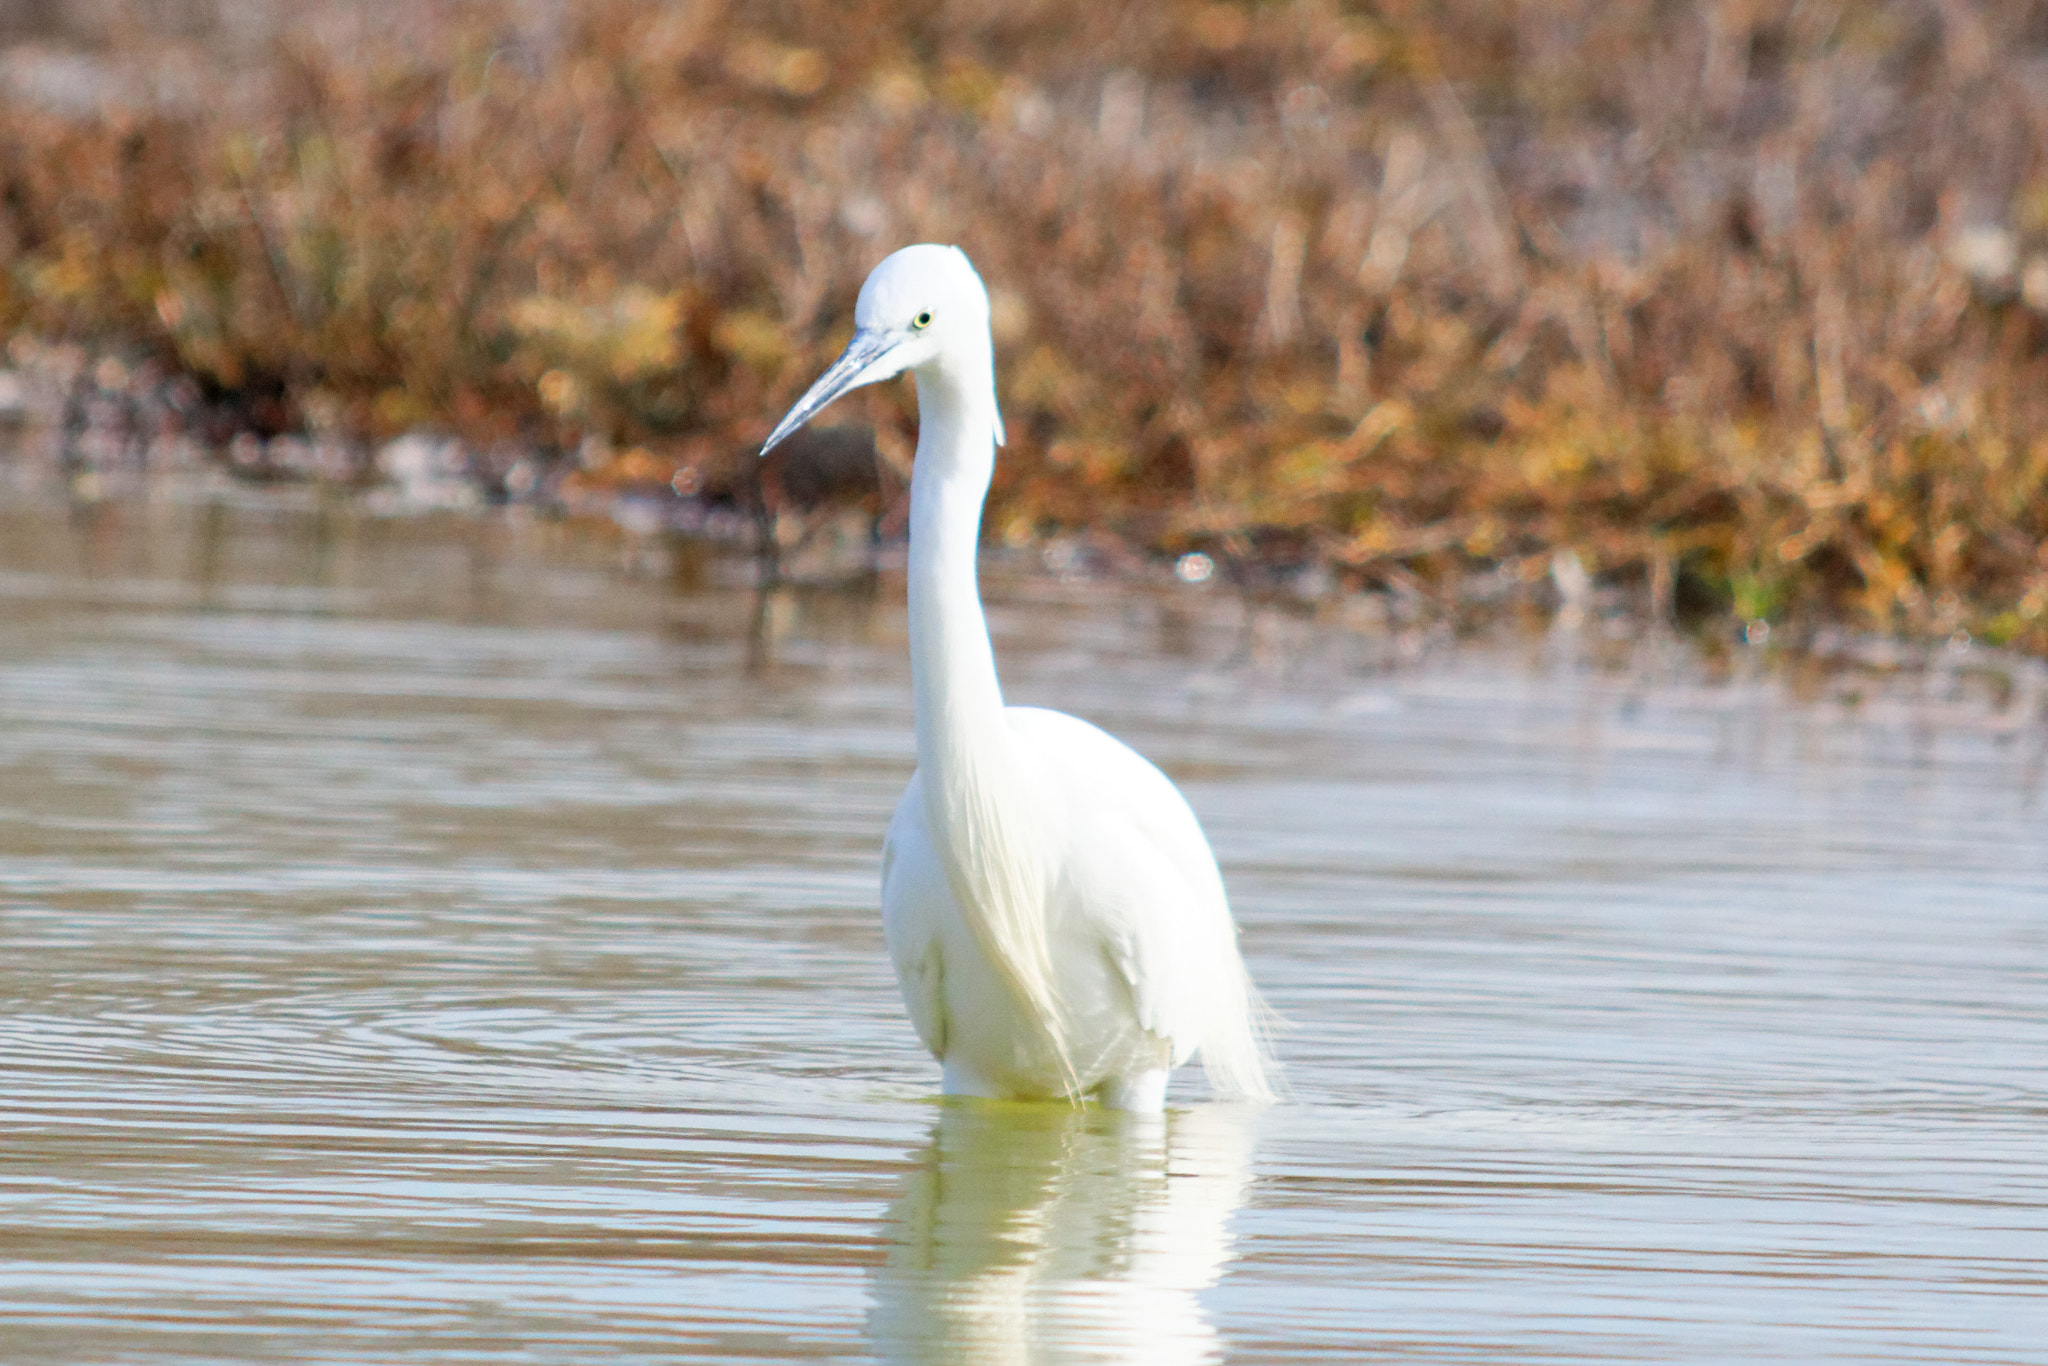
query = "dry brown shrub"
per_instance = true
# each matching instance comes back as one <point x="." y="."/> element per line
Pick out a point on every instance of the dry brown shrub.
<point x="1751" y="294"/>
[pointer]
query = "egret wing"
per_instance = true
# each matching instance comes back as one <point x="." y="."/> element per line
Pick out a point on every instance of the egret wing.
<point x="1142" y="871"/>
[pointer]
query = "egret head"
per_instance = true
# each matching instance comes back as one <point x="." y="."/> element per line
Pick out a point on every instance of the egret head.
<point x="920" y="306"/>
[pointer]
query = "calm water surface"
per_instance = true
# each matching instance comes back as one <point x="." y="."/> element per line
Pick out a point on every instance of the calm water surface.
<point x="424" y="942"/>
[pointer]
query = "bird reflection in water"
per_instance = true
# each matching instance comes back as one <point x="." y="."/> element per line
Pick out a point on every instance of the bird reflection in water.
<point x="1051" y="1233"/>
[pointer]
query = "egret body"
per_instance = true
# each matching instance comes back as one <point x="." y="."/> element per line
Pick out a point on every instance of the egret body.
<point x="1055" y="916"/>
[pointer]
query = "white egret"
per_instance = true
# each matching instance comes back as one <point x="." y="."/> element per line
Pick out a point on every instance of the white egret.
<point x="1055" y="916"/>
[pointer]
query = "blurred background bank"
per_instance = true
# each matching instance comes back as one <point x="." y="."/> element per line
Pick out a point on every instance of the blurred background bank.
<point x="1734" y="311"/>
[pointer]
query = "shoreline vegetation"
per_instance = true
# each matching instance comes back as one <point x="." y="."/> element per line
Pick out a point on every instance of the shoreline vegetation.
<point x="1736" y="310"/>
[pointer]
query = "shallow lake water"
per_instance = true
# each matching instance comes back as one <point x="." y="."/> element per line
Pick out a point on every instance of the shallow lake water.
<point x="427" y="941"/>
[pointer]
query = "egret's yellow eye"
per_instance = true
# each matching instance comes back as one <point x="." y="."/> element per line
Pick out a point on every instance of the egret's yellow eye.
<point x="922" y="320"/>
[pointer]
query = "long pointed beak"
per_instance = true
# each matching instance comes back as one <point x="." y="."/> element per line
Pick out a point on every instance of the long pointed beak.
<point x="848" y="372"/>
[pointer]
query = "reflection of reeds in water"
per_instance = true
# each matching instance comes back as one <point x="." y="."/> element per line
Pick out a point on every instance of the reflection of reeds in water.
<point x="1041" y="1233"/>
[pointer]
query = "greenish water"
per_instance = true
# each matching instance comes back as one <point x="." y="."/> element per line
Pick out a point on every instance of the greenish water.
<point x="428" y="942"/>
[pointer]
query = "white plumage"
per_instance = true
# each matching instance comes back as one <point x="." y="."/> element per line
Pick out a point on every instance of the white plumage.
<point x="1054" y="913"/>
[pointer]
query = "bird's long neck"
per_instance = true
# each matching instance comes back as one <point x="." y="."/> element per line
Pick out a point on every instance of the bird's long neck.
<point x="981" y="803"/>
<point x="953" y="669"/>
